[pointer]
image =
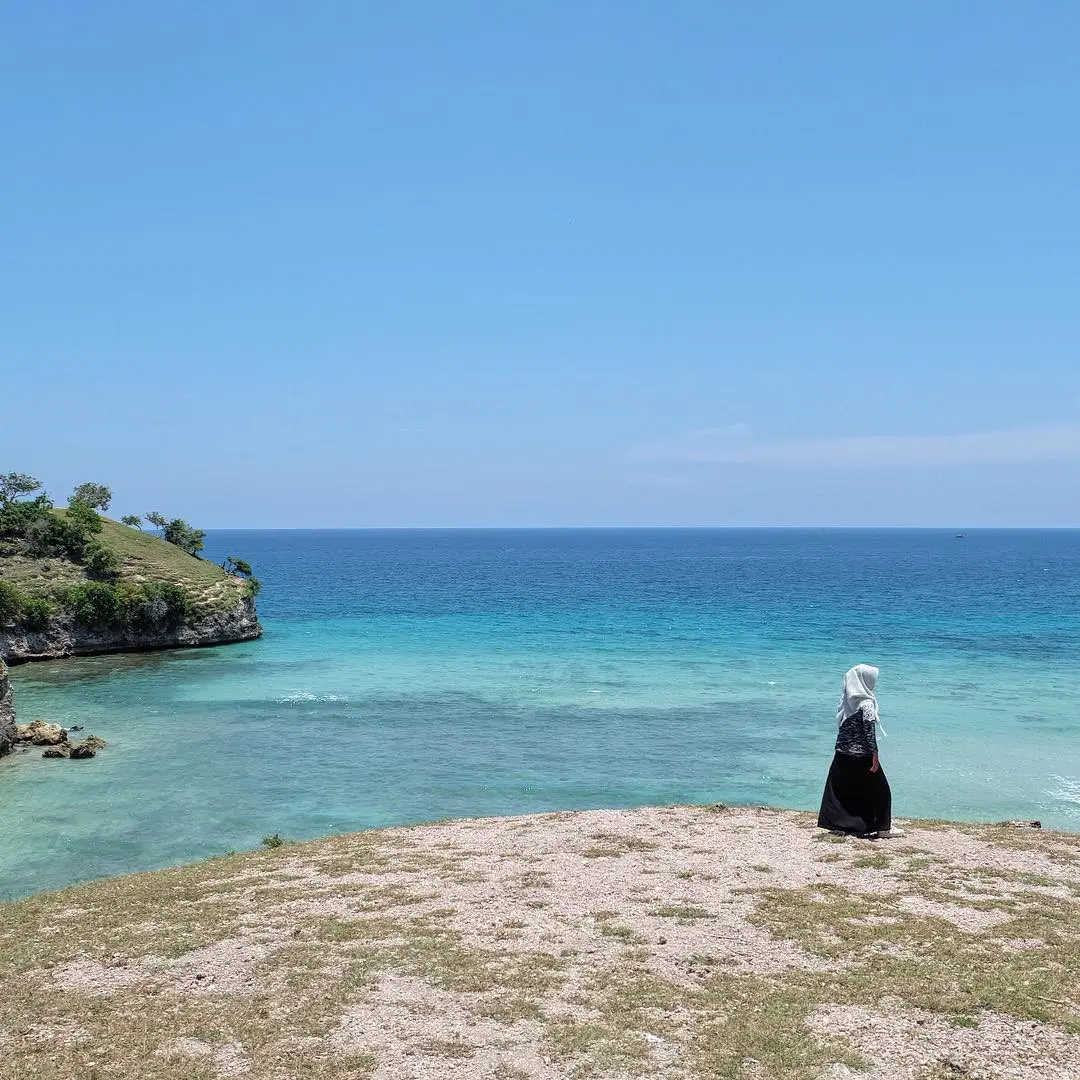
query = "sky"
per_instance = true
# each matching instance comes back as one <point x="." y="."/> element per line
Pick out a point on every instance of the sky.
<point x="349" y="264"/>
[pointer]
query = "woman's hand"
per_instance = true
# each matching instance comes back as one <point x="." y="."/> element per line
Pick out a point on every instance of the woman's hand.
<point x="874" y="766"/>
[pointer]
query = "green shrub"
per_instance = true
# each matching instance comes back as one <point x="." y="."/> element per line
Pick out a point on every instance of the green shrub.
<point x="12" y="600"/>
<point x="84" y="518"/>
<point x="252" y="588"/>
<point x="95" y="603"/>
<point x="166" y="602"/>
<point x="17" y="519"/>
<point x="16" y="606"/>
<point x="127" y="604"/>
<point x="36" y="612"/>
<point x="59" y="537"/>
<point x="100" y="562"/>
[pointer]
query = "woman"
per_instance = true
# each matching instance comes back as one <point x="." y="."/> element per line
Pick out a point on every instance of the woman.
<point x="857" y="797"/>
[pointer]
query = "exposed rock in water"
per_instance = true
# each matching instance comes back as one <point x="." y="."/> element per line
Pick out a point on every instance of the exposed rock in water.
<point x="8" y="730"/>
<point x="78" y="751"/>
<point x="63" y="637"/>
<point x="40" y="733"/>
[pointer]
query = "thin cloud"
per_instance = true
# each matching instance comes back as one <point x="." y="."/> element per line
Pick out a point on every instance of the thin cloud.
<point x="727" y="431"/>
<point x="1061" y="443"/>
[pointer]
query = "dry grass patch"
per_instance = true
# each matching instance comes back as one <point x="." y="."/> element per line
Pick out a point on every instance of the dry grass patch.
<point x="613" y="845"/>
<point x="682" y="912"/>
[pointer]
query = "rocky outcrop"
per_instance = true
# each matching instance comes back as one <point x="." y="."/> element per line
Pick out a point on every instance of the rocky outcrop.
<point x="62" y="637"/>
<point x="55" y="740"/>
<point x="76" y="751"/>
<point x="40" y="733"/>
<point x="7" y="712"/>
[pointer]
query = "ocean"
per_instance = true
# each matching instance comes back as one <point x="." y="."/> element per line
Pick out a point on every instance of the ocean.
<point x="412" y="675"/>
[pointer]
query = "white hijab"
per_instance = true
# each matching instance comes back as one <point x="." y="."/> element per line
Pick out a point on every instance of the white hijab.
<point x="859" y="685"/>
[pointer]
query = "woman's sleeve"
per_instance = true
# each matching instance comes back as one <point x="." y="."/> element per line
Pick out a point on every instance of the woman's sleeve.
<point x="869" y="720"/>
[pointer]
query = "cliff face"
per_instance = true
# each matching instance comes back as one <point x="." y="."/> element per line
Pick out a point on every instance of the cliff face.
<point x="62" y="637"/>
<point x="7" y="712"/>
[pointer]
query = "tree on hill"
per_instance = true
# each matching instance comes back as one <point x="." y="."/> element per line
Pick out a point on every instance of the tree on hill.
<point x="96" y="496"/>
<point x="132" y="520"/>
<point x="13" y="485"/>
<point x="18" y="514"/>
<point x="233" y="565"/>
<point x="159" y="521"/>
<point x="180" y="533"/>
<point x="66" y="536"/>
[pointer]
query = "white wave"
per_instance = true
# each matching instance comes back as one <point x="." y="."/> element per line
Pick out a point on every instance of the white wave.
<point x="303" y="697"/>
<point x="1067" y="789"/>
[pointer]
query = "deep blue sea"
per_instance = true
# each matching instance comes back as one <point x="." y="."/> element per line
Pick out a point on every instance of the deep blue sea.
<point x="411" y="675"/>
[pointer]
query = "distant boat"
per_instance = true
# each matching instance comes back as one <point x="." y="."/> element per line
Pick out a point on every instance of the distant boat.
<point x="959" y="536"/>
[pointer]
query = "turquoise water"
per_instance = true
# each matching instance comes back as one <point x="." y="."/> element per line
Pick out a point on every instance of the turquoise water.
<point x="413" y="675"/>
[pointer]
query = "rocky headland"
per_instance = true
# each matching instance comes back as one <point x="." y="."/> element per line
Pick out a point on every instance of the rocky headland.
<point x="63" y="635"/>
<point x="74" y="582"/>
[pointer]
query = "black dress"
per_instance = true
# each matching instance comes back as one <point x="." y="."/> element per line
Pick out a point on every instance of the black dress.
<point x="856" y="800"/>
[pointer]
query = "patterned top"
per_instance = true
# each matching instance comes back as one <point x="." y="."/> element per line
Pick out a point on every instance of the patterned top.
<point x="858" y="732"/>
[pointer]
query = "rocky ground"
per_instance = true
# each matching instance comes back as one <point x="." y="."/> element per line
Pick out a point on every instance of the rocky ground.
<point x="681" y="942"/>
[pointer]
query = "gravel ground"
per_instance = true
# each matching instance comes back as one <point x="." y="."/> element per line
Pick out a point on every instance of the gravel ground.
<point x="683" y="942"/>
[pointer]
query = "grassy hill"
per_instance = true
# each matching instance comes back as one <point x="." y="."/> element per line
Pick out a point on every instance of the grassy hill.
<point x="143" y="557"/>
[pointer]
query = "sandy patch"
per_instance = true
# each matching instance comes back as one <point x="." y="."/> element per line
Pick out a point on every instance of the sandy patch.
<point x="904" y="1044"/>
<point x="228" y="1060"/>
<point x="418" y="1032"/>
<point x="225" y="967"/>
<point x="969" y="919"/>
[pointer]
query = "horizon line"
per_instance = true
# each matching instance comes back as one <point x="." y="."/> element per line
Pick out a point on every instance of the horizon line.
<point x="958" y="529"/>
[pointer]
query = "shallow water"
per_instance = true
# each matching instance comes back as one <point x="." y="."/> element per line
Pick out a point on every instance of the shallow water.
<point x="406" y="676"/>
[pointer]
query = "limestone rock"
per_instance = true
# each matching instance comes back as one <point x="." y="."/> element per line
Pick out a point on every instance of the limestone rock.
<point x="8" y="730"/>
<point x="58" y="751"/>
<point x="94" y="742"/>
<point x="64" y="637"/>
<point x="82" y="750"/>
<point x="40" y="733"/>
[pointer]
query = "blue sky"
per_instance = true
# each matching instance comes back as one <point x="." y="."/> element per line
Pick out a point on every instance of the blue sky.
<point x="431" y="263"/>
